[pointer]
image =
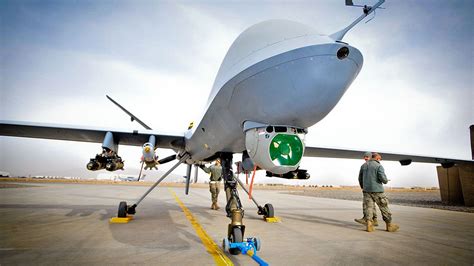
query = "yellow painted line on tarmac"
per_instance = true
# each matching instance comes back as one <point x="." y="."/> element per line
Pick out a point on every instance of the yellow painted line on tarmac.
<point x="219" y="257"/>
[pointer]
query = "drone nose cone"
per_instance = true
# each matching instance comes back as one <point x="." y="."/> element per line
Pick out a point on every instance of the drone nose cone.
<point x="310" y="81"/>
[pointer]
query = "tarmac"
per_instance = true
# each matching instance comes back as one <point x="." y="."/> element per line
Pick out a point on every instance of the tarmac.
<point x="52" y="223"/>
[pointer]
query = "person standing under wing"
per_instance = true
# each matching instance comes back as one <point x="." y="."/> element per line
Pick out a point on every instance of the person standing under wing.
<point x="371" y="180"/>
<point x="364" y="219"/>
<point x="214" y="181"/>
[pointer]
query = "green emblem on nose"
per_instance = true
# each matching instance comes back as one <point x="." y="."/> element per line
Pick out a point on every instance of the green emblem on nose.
<point x="286" y="149"/>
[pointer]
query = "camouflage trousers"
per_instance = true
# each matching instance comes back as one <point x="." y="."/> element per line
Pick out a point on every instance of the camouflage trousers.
<point x="370" y="198"/>
<point x="214" y="187"/>
<point x="364" y="210"/>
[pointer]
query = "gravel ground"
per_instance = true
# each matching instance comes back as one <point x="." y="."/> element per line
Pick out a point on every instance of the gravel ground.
<point x="425" y="199"/>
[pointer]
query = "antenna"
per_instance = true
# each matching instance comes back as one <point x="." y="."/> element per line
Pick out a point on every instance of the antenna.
<point x="371" y="17"/>
<point x="365" y="8"/>
<point x="337" y="36"/>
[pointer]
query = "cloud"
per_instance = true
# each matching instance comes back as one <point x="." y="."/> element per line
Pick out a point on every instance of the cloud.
<point x="159" y="59"/>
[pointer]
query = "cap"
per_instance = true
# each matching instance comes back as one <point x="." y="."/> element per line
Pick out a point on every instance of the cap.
<point x="368" y="154"/>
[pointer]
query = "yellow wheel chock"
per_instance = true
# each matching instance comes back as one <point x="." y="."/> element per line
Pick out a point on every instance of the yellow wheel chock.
<point x="121" y="220"/>
<point x="272" y="219"/>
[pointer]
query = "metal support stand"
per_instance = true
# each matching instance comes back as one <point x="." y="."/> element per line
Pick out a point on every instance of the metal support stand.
<point x="266" y="211"/>
<point x="131" y="209"/>
<point x="246" y="191"/>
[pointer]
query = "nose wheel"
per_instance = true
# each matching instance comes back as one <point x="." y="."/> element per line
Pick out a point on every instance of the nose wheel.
<point x="236" y="236"/>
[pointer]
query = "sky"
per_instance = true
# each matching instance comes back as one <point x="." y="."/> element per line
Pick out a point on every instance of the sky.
<point x="414" y="94"/>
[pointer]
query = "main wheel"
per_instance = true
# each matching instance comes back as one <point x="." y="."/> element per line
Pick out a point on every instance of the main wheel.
<point x="122" y="210"/>
<point x="236" y="237"/>
<point x="269" y="212"/>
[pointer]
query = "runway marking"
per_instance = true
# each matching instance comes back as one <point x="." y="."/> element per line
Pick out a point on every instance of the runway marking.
<point x="219" y="257"/>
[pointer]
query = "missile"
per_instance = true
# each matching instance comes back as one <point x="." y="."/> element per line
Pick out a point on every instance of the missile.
<point x="114" y="164"/>
<point x="94" y="165"/>
<point x="149" y="156"/>
<point x="149" y="152"/>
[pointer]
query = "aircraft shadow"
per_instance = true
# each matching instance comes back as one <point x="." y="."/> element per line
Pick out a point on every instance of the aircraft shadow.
<point x="321" y="220"/>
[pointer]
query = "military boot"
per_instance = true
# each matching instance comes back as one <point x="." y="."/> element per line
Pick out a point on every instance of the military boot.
<point x="375" y="222"/>
<point x="361" y="221"/>
<point x="391" y="227"/>
<point x="213" y="206"/>
<point x="370" y="226"/>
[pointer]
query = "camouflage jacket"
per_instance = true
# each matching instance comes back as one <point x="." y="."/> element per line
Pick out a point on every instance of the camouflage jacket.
<point x="372" y="176"/>
<point x="215" y="171"/>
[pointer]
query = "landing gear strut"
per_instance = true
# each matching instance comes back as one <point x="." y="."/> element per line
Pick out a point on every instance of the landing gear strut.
<point x="236" y="229"/>
<point x="125" y="209"/>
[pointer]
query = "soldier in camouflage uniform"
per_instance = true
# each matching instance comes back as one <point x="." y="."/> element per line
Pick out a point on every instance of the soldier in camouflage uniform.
<point x="364" y="219"/>
<point x="371" y="179"/>
<point x="214" y="181"/>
